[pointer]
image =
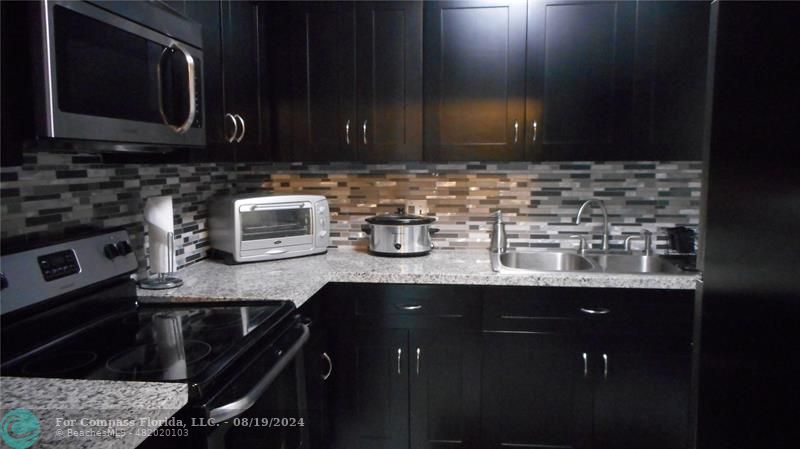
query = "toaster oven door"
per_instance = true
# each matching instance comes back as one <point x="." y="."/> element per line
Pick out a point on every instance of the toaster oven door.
<point x="264" y="226"/>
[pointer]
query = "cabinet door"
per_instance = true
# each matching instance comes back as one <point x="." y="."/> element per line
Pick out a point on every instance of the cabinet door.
<point x="389" y="81"/>
<point x="445" y="389"/>
<point x="535" y="391"/>
<point x="372" y="401"/>
<point x="314" y="71"/>
<point x="474" y="80"/>
<point x="242" y="75"/>
<point x="579" y="79"/>
<point x="670" y="82"/>
<point x="319" y="375"/>
<point x="642" y="394"/>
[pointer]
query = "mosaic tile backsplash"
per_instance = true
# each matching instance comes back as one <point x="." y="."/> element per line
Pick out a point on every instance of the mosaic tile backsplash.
<point x="55" y="193"/>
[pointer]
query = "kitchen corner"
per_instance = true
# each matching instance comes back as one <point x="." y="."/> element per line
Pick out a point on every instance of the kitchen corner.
<point x="299" y="279"/>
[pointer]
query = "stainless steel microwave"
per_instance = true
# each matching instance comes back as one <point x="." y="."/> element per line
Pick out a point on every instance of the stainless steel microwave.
<point x="127" y="72"/>
<point x="254" y="228"/>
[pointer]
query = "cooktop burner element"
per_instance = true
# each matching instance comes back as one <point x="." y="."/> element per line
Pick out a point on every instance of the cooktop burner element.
<point x="64" y="362"/>
<point x="170" y="362"/>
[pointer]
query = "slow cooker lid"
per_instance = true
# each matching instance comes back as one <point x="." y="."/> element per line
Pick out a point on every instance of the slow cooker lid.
<point x="400" y="217"/>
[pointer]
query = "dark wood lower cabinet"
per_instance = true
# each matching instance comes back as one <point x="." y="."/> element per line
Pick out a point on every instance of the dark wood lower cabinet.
<point x="534" y="393"/>
<point x="641" y="395"/>
<point x="439" y="367"/>
<point x="445" y="389"/>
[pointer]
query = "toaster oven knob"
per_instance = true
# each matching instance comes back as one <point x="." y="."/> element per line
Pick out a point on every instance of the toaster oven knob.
<point x="124" y="248"/>
<point x="110" y="251"/>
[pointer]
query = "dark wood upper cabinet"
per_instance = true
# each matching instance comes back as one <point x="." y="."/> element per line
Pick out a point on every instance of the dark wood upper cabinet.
<point x="670" y="82"/>
<point x="474" y="64"/>
<point x="389" y="81"/>
<point x="348" y="80"/>
<point x="234" y="79"/>
<point x="312" y="54"/>
<point x="579" y="79"/>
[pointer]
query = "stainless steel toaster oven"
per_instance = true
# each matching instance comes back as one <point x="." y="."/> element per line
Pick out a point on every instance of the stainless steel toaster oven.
<point x="255" y="228"/>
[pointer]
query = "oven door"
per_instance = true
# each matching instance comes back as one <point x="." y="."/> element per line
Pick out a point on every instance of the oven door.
<point x="265" y="405"/>
<point x="265" y="226"/>
<point x="109" y="78"/>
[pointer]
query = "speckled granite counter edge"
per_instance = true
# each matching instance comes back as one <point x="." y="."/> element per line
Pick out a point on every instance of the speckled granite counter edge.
<point x="115" y="401"/>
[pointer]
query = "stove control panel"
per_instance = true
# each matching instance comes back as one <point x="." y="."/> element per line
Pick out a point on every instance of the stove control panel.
<point x="58" y="265"/>
<point x="42" y="273"/>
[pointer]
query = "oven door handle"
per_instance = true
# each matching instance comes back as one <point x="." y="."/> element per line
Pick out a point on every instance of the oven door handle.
<point x="239" y="406"/>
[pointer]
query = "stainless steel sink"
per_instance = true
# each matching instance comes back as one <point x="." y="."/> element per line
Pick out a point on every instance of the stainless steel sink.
<point x="566" y="261"/>
<point x="546" y="261"/>
<point x="633" y="263"/>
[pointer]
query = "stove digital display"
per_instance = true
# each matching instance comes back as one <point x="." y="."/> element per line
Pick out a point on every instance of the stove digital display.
<point x="58" y="265"/>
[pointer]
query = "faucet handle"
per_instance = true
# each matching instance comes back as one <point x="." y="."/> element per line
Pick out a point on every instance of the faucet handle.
<point x="581" y="243"/>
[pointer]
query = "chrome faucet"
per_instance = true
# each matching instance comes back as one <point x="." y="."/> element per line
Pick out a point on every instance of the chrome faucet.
<point x="605" y="218"/>
<point x="499" y="244"/>
<point x="646" y="236"/>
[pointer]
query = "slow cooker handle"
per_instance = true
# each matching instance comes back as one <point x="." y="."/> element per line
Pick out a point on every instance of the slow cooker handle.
<point x="367" y="229"/>
<point x="432" y="231"/>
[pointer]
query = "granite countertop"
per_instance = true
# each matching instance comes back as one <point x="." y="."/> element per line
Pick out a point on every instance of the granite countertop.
<point x="298" y="279"/>
<point x="106" y="414"/>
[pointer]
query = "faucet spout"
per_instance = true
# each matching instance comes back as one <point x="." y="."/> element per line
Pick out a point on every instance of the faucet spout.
<point x="602" y="207"/>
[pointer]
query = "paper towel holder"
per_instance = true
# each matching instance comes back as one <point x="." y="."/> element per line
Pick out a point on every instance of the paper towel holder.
<point x="161" y="281"/>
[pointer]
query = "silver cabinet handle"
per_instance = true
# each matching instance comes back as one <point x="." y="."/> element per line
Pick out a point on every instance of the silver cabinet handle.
<point x="330" y="366"/>
<point x="235" y="127"/>
<point x="399" y="355"/>
<point x="605" y="366"/>
<point x="347" y="132"/>
<point x="364" y="127"/>
<point x="535" y="127"/>
<point x="183" y="127"/>
<point x="598" y="311"/>
<point x="410" y="306"/>
<point x="516" y="131"/>
<point x="241" y="120"/>
<point x="585" y="364"/>
<point x="419" y="351"/>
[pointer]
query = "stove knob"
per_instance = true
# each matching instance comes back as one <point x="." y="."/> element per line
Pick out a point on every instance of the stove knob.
<point x="110" y="251"/>
<point x="124" y="248"/>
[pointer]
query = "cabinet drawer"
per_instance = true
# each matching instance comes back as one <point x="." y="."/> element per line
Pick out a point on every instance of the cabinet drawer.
<point x="534" y="309"/>
<point x="401" y="305"/>
<point x="588" y="310"/>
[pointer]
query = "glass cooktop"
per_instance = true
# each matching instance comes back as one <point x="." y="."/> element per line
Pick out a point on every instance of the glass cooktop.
<point x="156" y="343"/>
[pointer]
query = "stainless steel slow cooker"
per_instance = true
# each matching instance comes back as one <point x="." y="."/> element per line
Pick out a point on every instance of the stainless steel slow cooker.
<point x="399" y="234"/>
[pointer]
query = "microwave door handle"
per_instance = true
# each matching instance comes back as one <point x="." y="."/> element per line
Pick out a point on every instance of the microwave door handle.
<point x="190" y="69"/>
<point x="239" y="406"/>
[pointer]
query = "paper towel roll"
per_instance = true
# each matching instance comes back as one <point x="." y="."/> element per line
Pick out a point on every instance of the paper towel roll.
<point x="158" y="216"/>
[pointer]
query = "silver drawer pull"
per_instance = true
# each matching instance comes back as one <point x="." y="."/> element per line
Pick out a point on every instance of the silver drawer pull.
<point x="419" y="352"/>
<point x="585" y="364"/>
<point x="598" y="311"/>
<point x="605" y="366"/>
<point x="399" y="355"/>
<point x="410" y="306"/>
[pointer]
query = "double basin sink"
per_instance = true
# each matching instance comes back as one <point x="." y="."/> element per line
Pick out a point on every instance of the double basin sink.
<point x="565" y="261"/>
